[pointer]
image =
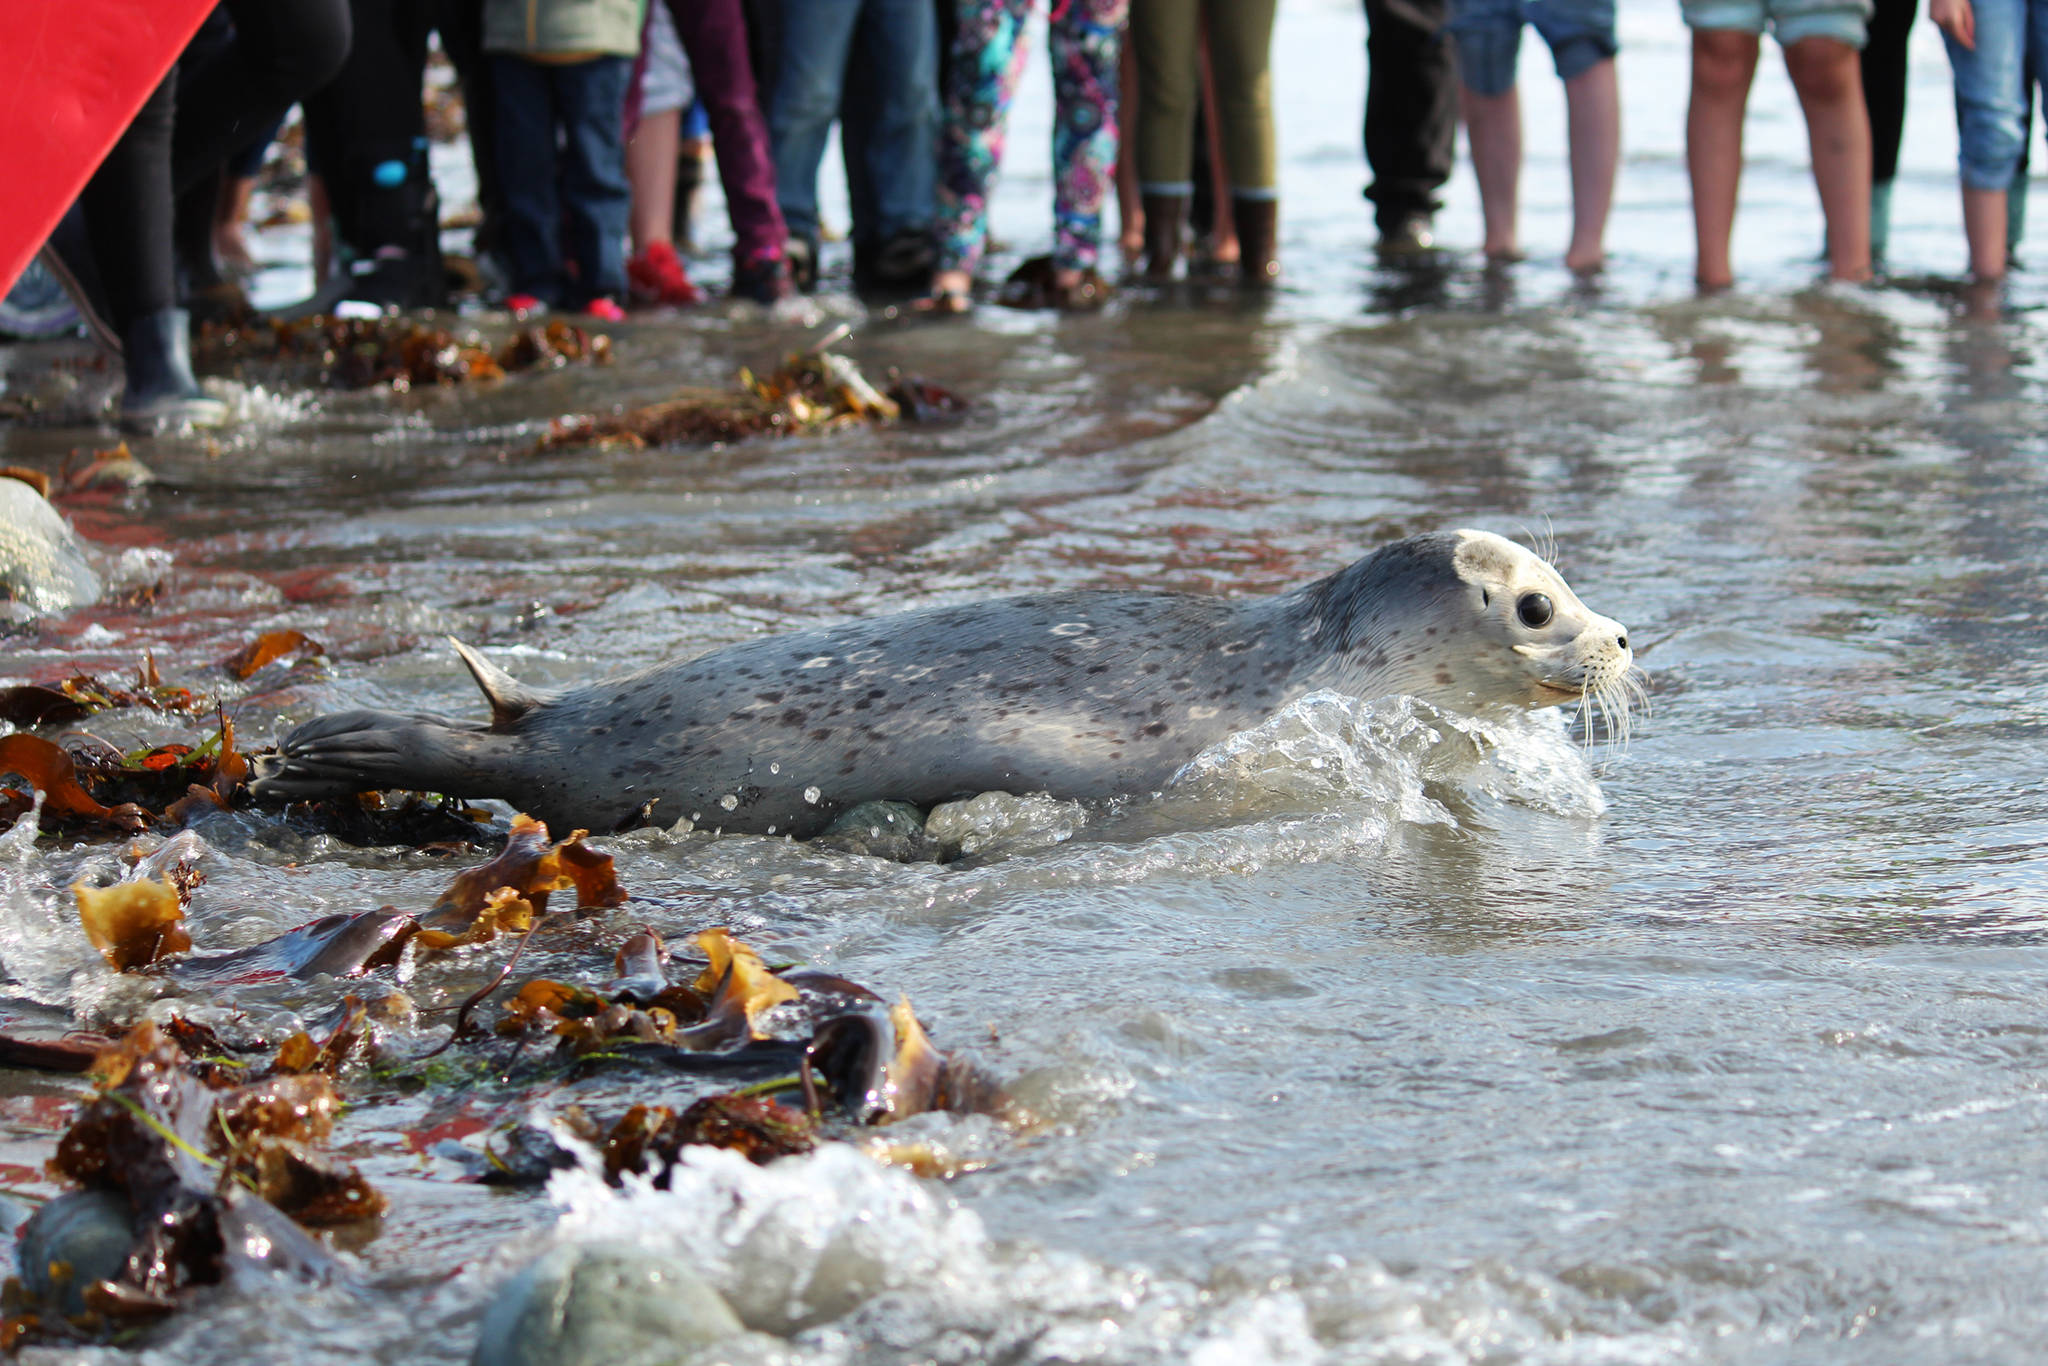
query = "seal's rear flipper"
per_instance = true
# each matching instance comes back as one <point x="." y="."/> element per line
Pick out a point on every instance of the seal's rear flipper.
<point x="509" y="698"/>
<point x="365" y="751"/>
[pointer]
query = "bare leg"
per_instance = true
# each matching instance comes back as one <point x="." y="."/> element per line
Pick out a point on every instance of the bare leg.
<point x="1984" y="227"/>
<point x="1493" y="123"/>
<point x="1130" y="210"/>
<point x="651" y="171"/>
<point x="1223" y="237"/>
<point x="321" y="210"/>
<point x="1723" y="64"/>
<point x="1593" y="112"/>
<point x="231" y="213"/>
<point x="1829" y="80"/>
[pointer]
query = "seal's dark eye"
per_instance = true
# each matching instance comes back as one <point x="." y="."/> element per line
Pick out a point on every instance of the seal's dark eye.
<point x="1535" y="611"/>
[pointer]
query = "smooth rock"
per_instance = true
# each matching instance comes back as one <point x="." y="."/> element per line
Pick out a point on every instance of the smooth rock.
<point x="888" y="830"/>
<point x="603" y="1304"/>
<point x="91" y="1232"/>
<point x="43" y="567"/>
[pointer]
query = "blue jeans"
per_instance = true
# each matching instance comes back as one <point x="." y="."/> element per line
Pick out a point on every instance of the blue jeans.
<point x="891" y="143"/>
<point x="582" y="106"/>
<point x="1991" y="87"/>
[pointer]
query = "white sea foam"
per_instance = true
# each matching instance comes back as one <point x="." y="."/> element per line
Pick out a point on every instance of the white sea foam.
<point x="851" y="1263"/>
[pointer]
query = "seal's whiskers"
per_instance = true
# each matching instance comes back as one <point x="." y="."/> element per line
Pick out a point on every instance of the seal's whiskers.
<point x="1618" y="696"/>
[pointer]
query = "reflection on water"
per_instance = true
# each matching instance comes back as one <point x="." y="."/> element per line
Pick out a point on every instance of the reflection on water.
<point x="1437" y="1053"/>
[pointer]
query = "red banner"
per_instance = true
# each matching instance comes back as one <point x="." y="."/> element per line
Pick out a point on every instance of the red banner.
<point x="72" y="74"/>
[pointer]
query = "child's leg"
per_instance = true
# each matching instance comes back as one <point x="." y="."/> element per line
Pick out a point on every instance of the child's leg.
<point x="1826" y="73"/>
<point x="1984" y="229"/>
<point x="1991" y="120"/>
<point x="1130" y="213"/>
<point x="1086" y="38"/>
<point x="982" y="69"/>
<point x="1493" y="124"/>
<point x="1237" y="54"/>
<point x="1582" y="47"/>
<point x="1593" y="109"/>
<point x="1488" y="34"/>
<point x="596" y="199"/>
<point x="1163" y="41"/>
<point x="526" y="172"/>
<point x="651" y="171"/>
<point x="1883" y="63"/>
<point x="1723" y="64"/>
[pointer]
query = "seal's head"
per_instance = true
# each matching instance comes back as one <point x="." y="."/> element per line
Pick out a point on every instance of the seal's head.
<point x="1473" y="621"/>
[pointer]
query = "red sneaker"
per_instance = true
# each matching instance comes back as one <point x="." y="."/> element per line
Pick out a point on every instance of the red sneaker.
<point x="605" y="310"/>
<point x="656" y="277"/>
<point x="523" y="305"/>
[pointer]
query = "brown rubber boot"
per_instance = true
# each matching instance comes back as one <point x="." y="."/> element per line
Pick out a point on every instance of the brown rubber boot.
<point x="1258" y="241"/>
<point x="1166" y="216"/>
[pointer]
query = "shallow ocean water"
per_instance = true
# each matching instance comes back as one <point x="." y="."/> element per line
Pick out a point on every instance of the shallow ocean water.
<point x="1725" y="1045"/>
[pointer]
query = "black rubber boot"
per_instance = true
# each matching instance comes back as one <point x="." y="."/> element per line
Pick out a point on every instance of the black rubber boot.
<point x="1258" y="241"/>
<point x="161" y="391"/>
<point x="1166" y="218"/>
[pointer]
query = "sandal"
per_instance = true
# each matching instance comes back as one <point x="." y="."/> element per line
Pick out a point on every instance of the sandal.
<point x="944" y="302"/>
<point x="1085" y="295"/>
<point x="1036" y="284"/>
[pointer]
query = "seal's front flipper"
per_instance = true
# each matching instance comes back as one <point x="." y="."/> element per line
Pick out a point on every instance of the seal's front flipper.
<point x="363" y="751"/>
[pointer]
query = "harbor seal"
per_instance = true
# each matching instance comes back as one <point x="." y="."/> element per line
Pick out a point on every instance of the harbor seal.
<point x="1086" y="694"/>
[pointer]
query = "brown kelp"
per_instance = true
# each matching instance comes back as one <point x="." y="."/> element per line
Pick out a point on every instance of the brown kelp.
<point x="402" y="353"/>
<point x="814" y="390"/>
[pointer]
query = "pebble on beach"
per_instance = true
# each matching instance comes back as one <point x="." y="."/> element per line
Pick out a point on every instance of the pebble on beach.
<point x="602" y="1304"/>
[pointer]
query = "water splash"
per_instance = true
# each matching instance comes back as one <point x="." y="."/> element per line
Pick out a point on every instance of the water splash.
<point x="43" y="948"/>
<point x="839" y="1256"/>
<point x="1389" y="754"/>
<point x="999" y="823"/>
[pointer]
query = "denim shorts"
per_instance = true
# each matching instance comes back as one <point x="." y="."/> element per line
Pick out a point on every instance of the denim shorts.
<point x="1846" y="21"/>
<point x="1489" y="37"/>
<point x="1991" y="88"/>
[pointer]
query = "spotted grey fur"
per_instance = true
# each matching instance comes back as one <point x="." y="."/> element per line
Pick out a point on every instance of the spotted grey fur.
<point x="1080" y="694"/>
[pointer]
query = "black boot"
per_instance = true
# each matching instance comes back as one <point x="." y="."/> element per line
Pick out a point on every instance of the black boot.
<point x="1165" y="218"/>
<point x="161" y="391"/>
<point x="1258" y="241"/>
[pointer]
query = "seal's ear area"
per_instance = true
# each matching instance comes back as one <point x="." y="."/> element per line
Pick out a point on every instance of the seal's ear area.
<point x="1486" y="559"/>
<point x="509" y="698"/>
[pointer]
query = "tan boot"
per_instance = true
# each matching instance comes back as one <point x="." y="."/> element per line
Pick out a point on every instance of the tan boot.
<point x="1258" y="241"/>
<point x="1165" y="217"/>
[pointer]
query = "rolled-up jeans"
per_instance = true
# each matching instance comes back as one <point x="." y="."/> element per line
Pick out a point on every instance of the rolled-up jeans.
<point x="1991" y="88"/>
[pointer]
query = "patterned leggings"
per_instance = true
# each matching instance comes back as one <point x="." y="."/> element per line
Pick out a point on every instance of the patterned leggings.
<point x="982" y="71"/>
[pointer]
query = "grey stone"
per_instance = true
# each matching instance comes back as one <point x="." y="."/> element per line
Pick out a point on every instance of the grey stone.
<point x="42" y="566"/>
<point x="889" y="830"/>
<point x="91" y="1232"/>
<point x="602" y="1304"/>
